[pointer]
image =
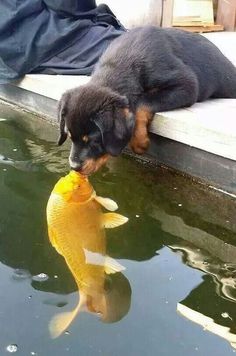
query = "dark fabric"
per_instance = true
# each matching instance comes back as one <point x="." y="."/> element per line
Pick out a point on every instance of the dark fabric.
<point x="81" y="56"/>
<point x="53" y="36"/>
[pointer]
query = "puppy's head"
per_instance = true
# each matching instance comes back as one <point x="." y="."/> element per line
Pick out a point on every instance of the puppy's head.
<point x="99" y="123"/>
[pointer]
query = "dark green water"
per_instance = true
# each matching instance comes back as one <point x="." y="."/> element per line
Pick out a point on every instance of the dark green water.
<point x="179" y="250"/>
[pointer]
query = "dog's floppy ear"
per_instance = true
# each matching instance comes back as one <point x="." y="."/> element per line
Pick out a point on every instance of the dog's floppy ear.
<point x="116" y="126"/>
<point x="62" y="124"/>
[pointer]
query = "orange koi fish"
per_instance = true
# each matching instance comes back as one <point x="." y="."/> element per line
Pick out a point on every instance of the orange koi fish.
<point x="76" y="228"/>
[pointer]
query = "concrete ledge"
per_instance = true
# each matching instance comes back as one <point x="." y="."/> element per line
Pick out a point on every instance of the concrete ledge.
<point x="209" y="126"/>
<point x="50" y="86"/>
<point x="214" y="170"/>
<point x="30" y="101"/>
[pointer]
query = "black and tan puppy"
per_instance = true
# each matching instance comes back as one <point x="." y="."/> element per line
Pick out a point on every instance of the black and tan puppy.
<point x="144" y="71"/>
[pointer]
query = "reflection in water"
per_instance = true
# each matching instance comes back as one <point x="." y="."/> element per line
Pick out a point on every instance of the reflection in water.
<point x="26" y="166"/>
<point x="16" y="143"/>
<point x="50" y="159"/>
<point x="76" y="230"/>
<point x="212" y="303"/>
<point x="220" y="316"/>
<point x="224" y="274"/>
<point x="207" y="323"/>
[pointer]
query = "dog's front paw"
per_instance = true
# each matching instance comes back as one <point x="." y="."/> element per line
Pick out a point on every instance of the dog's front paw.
<point x="139" y="143"/>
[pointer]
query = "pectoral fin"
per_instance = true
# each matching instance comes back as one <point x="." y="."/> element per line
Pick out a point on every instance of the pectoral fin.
<point x="112" y="266"/>
<point x="94" y="258"/>
<point x="97" y="259"/>
<point x="107" y="203"/>
<point x="111" y="220"/>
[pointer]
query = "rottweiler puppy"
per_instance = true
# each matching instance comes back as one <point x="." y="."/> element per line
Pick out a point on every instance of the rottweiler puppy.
<point x="144" y="71"/>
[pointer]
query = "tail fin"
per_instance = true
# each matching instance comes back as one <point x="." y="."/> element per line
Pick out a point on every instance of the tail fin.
<point x="60" y="322"/>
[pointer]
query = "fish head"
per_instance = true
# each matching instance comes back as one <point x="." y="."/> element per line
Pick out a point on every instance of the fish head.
<point x="74" y="187"/>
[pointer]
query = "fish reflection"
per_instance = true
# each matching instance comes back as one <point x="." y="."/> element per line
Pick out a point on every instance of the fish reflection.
<point x="76" y="230"/>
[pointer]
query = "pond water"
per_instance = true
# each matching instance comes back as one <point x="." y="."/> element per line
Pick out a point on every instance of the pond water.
<point x="177" y="294"/>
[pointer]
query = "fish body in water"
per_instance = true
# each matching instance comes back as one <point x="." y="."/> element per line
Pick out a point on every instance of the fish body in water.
<point x="76" y="228"/>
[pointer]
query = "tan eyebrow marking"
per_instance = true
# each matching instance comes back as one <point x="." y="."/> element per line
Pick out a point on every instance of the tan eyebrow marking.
<point x="85" y="138"/>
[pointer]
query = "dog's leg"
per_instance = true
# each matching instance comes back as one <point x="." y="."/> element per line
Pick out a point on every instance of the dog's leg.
<point x="140" y="141"/>
<point x="181" y="91"/>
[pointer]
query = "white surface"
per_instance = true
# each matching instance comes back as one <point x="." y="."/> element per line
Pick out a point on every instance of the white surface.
<point x="207" y="323"/>
<point x="51" y="86"/>
<point x="226" y="42"/>
<point x="210" y="126"/>
<point x="136" y="13"/>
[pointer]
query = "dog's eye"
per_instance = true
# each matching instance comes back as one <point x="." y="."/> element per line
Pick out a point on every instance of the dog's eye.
<point x="85" y="138"/>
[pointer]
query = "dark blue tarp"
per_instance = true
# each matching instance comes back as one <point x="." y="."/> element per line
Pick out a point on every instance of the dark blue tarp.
<point x="53" y="36"/>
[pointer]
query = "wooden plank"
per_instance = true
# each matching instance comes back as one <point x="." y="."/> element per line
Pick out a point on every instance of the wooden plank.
<point x="202" y="29"/>
<point x="167" y="13"/>
<point x="226" y="14"/>
<point x="192" y="24"/>
<point x="186" y="11"/>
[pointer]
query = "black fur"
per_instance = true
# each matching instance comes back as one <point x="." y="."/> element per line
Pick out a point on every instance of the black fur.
<point x="161" y="69"/>
<point x="98" y="114"/>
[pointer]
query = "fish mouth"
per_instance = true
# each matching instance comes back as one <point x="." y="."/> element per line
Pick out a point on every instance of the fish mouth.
<point x="91" y="165"/>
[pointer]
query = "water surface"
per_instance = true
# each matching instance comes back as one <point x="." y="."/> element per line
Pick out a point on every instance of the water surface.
<point x="179" y="250"/>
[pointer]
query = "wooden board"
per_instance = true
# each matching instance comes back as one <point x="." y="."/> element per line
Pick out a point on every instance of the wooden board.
<point x="202" y="29"/>
<point x="193" y="12"/>
<point x="191" y="23"/>
<point x="167" y="13"/>
<point x="226" y="14"/>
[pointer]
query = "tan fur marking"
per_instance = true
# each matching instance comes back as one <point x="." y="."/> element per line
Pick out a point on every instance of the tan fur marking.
<point x="91" y="165"/>
<point x="85" y="138"/>
<point x="140" y="141"/>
